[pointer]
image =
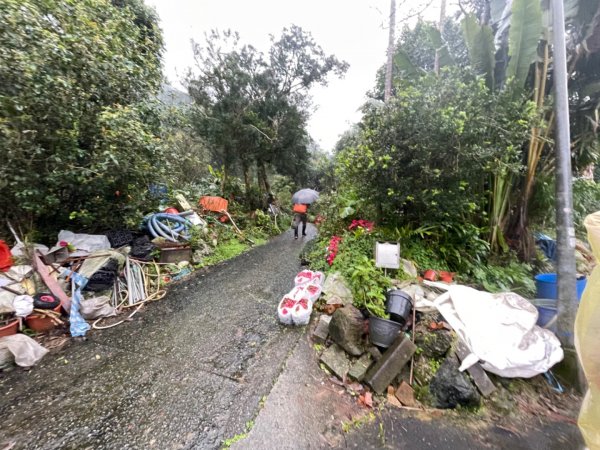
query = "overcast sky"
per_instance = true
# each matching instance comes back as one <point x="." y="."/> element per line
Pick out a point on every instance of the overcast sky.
<point x="353" y="30"/>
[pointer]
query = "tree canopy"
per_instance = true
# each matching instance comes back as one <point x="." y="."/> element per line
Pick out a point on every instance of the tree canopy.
<point x="253" y="107"/>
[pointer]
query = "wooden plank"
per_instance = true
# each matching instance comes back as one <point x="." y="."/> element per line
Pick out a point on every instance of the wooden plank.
<point x="482" y="381"/>
<point x="52" y="284"/>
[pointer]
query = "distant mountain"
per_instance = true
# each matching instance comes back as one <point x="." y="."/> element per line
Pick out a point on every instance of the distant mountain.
<point x="171" y="96"/>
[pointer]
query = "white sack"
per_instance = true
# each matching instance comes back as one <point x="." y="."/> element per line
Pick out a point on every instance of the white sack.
<point x="6" y="302"/>
<point x="97" y="307"/>
<point x="26" y="351"/>
<point x="301" y="312"/>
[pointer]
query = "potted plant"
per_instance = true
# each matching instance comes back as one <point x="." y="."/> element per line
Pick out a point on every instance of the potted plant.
<point x="368" y="286"/>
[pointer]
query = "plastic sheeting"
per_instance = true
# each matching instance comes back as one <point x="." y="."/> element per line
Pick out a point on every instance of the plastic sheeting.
<point x="24" y="350"/>
<point x="97" y="307"/>
<point x="500" y="331"/>
<point x="84" y="243"/>
<point x="587" y="330"/>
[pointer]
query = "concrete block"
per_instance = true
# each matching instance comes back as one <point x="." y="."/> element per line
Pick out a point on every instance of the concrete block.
<point x="391" y="363"/>
<point x="480" y="378"/>
<point x="322" y="329"/>
<point x="359" y="368"/>
<point x="336" y="361"/>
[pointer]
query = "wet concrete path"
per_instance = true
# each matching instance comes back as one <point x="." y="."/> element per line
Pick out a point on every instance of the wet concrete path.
<point x="188" y="372"/>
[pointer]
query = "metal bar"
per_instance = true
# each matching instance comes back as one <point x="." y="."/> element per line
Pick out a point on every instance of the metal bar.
<point x="565" y="231"/>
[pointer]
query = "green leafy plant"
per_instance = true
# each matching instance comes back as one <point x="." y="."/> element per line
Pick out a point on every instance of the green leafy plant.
<point x="508" y="276"/>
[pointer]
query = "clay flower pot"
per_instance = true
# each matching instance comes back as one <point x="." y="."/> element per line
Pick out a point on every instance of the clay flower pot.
<point x="430" y="275"/>
<point x="39" y="322"/>
<point x="446" y="277"/>
<point x="9" y="329"/>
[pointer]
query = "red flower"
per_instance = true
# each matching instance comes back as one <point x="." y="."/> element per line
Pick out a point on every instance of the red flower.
<point x="361" y="223"/>
<point x="332" y="249"/>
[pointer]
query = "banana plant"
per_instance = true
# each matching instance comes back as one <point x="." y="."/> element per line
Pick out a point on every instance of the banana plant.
<point x="521" y="52"/>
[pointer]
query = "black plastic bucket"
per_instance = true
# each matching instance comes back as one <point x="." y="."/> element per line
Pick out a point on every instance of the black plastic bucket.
<point x="398" y="306"/>
<point x="383" y="332"/>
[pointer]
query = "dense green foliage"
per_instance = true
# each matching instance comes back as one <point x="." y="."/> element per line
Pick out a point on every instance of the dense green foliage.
<point x="427" y="160"/>
<point x="448" y="166"/>
<point x="75" y="130"/>
<point x="86" y="144"/>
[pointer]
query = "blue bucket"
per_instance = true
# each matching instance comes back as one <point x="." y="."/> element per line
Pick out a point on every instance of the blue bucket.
<point x="547" y="309"/>
<point x="547" y="287"/>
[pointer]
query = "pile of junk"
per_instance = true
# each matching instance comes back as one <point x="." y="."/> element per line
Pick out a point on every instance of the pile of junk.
<point x="443" y="345"/>
<point x="96" y="281"/>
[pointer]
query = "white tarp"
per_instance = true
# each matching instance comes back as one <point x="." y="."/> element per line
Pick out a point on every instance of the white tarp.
<point x="500" y="330"/>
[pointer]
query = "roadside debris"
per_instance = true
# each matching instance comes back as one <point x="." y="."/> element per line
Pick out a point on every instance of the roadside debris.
<point x="98" y="281"/>
<point x="430" y="355"/>
<point x="20" y="349"/>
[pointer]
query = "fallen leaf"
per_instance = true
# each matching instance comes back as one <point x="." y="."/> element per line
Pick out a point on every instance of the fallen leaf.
<point x="355" y="387"/>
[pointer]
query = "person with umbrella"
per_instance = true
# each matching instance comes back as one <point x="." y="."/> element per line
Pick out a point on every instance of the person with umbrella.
<point x="302" y="200"/>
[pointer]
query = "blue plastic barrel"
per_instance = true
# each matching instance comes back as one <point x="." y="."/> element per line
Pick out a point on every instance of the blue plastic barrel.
<point x="547" y="287"/>
<point x="547" y="309"/>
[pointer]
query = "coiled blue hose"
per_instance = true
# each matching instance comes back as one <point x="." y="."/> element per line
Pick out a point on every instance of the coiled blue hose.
<point x="168" y="226"/>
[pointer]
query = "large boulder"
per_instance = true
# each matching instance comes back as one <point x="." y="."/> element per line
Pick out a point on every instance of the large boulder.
<point x="347" y="329"/>
<point x="450" y="387"/>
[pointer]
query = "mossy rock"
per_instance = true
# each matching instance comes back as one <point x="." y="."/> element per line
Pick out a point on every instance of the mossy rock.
<point x="434" y="344"/>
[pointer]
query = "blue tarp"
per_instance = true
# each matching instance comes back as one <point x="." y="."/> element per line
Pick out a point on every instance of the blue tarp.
<point x="78" y="325"/>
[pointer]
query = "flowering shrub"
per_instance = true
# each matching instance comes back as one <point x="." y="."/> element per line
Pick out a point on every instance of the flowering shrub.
<point x="361" y="223"/>
<point x="332" y="249"/>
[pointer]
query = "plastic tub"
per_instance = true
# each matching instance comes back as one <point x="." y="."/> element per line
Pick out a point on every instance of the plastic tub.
<point x="383" y="332"/>
<point x="398" y="305"/>
<point x="547" y="287"/>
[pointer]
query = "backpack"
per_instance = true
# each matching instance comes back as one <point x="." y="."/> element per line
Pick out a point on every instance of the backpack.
<point x="300" y="208"/>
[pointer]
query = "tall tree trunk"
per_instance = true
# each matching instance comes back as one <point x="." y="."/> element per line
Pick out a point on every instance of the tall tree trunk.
<point x="247" y="182"/>
<point x="389" y="68"/>
<point x="263" y="181"/>
<point x="436" y="64"/>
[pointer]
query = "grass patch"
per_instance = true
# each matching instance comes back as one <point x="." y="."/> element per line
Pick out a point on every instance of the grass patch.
<point x="358" y="422"/>
<point x="224" y="251"/>
<point x="238" y="437"/>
